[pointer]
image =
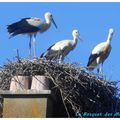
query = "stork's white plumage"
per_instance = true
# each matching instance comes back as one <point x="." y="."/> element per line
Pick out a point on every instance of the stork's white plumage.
<point x="100" y="53"/>
<point x="60" y="49"/>
<point x="31" y="26"/>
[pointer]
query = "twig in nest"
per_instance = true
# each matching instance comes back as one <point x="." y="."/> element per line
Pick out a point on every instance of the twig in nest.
<point x="64" y="104"/>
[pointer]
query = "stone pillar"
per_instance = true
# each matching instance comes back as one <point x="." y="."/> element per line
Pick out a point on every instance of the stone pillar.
<point x="40" y="83"/>
<point x="20" y="83"/>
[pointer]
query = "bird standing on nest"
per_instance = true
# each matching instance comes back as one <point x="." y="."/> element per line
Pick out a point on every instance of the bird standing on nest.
<point x="100" y="53"/>
<point x="31" y="26"/>
<point x="60" y="49"/>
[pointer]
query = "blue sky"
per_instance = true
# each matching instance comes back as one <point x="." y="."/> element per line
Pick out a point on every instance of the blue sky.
<point x="93" y="20"/>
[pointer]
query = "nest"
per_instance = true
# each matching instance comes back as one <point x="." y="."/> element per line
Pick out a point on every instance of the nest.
<point x="81" y="91"/>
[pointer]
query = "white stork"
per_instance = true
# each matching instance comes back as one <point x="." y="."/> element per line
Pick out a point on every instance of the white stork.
<point x="100" y="53"/>
<point x="60" y="49"/>
<point x="31" y="26"/>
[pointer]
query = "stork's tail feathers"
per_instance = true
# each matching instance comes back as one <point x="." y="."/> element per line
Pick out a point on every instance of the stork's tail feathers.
<point x="88" y="65"/>
<point x="47" y="56"/>
<point x="12" y="35"/>
<point x="13" y="27"/>
<point x="89" y="68"/>
<point x="42" y="55"/>
<point x="13" y="30"/>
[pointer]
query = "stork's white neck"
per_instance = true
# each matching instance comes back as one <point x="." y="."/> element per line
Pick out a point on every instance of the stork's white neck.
<point x="109" y="38"/>
<point x="75" y="40"/>
<point x="48" y="21"/>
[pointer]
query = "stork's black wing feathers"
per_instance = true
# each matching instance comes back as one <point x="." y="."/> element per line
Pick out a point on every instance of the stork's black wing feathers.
<point x="42" y="55"/>
<point x="20" y="27"/>
<point x="11" y="28"/>
<point x="92" y="58"/>
<point x="25" y="18"/>
<point x="50" y="47"/>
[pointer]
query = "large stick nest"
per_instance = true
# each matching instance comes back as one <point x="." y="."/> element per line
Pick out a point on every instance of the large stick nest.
<point x="81" y="91"/>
